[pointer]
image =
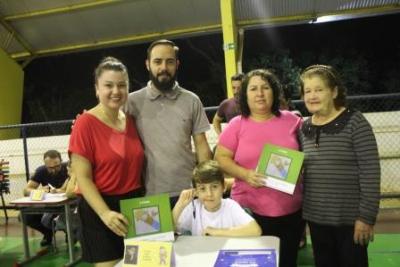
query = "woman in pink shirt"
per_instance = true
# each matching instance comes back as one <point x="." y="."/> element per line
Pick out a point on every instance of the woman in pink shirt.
<point x="238" y="151"/>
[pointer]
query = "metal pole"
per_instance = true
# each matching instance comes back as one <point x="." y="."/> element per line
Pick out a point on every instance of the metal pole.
<point x="24" y="142"/>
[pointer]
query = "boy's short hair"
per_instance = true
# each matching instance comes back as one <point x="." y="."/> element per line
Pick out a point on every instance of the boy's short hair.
<point x="207" y="172"/>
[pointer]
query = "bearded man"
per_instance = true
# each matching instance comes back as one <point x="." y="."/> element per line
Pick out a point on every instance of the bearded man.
<point x="48" y="178"/>
<point x="167" y="116"/>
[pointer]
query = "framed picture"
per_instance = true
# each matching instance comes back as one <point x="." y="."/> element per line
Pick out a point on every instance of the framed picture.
<point x="281" y="166"/>
<point x="131" y="254"/>
<point x="146" y="220"/>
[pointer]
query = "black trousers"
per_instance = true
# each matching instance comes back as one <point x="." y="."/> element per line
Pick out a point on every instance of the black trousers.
<point x="34" y="221"/>
<point x="334" y="246"/>
<point x="289" y="229"/>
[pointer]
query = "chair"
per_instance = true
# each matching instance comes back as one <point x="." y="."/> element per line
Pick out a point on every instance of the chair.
<point x="58" y="224"/>
<point x="4" y="185"/>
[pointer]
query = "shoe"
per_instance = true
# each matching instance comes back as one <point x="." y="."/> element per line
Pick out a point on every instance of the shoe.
<point x="74" y="239"/>
<point x="303" y="243"/>
<point x="46" y="241"/>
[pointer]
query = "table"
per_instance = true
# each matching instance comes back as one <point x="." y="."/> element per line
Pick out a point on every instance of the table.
<point x="202" y="251"/>
<point x="50" y="205"/>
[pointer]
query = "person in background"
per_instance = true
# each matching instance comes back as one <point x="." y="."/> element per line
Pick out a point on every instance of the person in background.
<point x="238" y="151"/>
<point x="229" y="108"/>
<point x="167" y="117"/>
<point x="285" y="102"/>
<point x="107" y="158"/>
<point x="210" y="214"/>
<point x="49" y="178"/>
<point x="341" y="172"/>
<point x="70" y="188"/>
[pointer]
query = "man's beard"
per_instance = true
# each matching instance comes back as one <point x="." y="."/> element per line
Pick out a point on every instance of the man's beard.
<point x="164" y="85"/>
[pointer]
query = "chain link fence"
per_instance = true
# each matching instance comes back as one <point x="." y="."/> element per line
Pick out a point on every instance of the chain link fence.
<point x="24" y="151"/>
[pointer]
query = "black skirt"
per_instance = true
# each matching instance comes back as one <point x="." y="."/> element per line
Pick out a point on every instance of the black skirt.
<point x="98" y="242"/>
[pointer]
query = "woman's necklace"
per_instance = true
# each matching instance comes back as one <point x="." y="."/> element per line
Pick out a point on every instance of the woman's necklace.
<point x="115" y="123"/>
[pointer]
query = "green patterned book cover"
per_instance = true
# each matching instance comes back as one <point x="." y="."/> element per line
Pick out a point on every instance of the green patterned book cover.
<point x="281" y="166"/>
<point x="149" y="217"/>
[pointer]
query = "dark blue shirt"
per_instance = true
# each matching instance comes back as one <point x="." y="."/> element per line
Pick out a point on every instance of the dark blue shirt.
<point x="43" y="177"/>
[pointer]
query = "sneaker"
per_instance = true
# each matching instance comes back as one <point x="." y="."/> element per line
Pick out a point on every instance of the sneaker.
<point x="74" y="239"/>
<point x="46" y="241"/>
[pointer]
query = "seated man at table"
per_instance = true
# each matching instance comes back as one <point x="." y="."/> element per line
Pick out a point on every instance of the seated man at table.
<point x="210" y="214"/>
<point x="70" y="188"/>
<point x="49" y="178"/>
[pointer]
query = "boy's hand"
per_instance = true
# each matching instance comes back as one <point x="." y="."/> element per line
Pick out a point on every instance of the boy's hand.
<point x="210" y="231"/>
<point x="186" y="197"/>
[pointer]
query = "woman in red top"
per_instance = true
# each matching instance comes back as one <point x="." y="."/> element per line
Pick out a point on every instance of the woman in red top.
<point x="107" y="158"/>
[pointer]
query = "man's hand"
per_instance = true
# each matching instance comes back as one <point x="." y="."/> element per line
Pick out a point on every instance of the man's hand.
<point x="45" y="189"/>
<point x="116" y="222"/>
<point x="363" y="233"/>
<point x="76" y="117"/>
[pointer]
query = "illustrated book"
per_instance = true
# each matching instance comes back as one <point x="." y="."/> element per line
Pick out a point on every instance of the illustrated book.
<point x="150" y="217"/>
<point x="246" y="257"/>
<point x="148" y="254"/>
<point x="281" y="166"/>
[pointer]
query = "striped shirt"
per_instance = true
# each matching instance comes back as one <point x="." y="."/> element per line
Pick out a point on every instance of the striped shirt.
<point x="341" y="171"/>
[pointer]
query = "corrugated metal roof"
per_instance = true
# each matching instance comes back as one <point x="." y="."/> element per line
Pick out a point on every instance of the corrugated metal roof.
<point x="42" y="27"/>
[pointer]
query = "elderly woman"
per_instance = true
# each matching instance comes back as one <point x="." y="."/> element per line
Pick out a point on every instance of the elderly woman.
<point x="238" y="151"/>
<point x="107" y="158"/>
<point x="342" y="173"/>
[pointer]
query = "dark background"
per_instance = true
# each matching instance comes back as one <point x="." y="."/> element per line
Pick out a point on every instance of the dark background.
<point x="366" y="50"/>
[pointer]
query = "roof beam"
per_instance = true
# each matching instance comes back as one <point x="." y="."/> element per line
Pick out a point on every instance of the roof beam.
<point x="301" y="18"/>
<point x="58" y="10"/>
<point x="17" y="37"/>
<point x="120" y="41"/>
<point x="284" y="20"/>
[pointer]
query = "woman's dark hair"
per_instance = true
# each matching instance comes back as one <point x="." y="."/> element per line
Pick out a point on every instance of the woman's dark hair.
<point x="332" y="79"/>
<point x="274" y="83"/>
<point x="109" y="63"/>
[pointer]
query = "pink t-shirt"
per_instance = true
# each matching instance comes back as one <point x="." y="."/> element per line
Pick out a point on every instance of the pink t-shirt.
<point x="246" y="139"/>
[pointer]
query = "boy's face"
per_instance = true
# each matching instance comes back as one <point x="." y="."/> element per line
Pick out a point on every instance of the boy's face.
<point x="210" y="195"/>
